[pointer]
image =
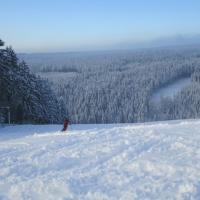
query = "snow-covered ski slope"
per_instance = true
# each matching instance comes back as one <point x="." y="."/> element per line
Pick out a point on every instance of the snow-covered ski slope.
<point x="124" y="161"/>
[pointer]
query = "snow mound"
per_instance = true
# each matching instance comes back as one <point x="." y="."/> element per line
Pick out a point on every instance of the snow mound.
<point x="123" y="161"/>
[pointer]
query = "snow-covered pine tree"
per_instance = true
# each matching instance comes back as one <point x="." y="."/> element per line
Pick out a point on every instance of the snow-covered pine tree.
<point x="1" y="43"/>
<point x="30" y="98"/>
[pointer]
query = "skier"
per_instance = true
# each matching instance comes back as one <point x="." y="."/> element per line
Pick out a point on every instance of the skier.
<point x="65" y="125"/>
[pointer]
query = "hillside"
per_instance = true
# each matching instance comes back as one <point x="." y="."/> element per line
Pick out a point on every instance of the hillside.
<point x="27" y="97"/>
<point x="122" y="161"/>
<point x="117" y="86"/>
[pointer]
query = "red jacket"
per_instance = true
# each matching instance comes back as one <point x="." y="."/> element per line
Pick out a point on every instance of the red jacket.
<point x="66" y="123"/>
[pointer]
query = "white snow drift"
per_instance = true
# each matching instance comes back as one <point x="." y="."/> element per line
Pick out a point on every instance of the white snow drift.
<point x="142" y="161"/>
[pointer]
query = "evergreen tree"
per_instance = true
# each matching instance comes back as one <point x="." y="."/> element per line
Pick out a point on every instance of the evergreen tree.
<point x="1" y="43"/>
<point x="29" y="97"/>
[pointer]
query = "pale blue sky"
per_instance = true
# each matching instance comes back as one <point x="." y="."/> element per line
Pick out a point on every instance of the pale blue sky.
<point x="73" y="25"/>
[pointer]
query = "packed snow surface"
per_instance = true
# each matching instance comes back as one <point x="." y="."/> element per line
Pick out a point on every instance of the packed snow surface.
<point x="123" y="161"/>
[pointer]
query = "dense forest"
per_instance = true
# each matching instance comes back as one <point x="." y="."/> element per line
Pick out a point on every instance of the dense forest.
<point x="112" y="87"/>
<point x="27" y="97"/>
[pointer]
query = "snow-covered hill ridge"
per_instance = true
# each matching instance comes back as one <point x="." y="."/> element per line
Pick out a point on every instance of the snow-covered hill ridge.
<point x="123" y="161"/>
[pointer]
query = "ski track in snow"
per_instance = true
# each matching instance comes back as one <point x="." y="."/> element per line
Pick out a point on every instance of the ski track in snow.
<point x="123" y="161"/>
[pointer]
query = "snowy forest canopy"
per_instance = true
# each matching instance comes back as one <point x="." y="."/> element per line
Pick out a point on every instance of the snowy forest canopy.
<point x="29" y="98"/>
<point x="113" y="87"/>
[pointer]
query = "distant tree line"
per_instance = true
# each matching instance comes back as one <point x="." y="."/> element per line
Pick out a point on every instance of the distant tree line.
<point x="66" y="69"/>
<point x="30" y="98"/>
<point x="184" y="105"/>
<point x="121" y="92"/>
<point x="117" y="87"/>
